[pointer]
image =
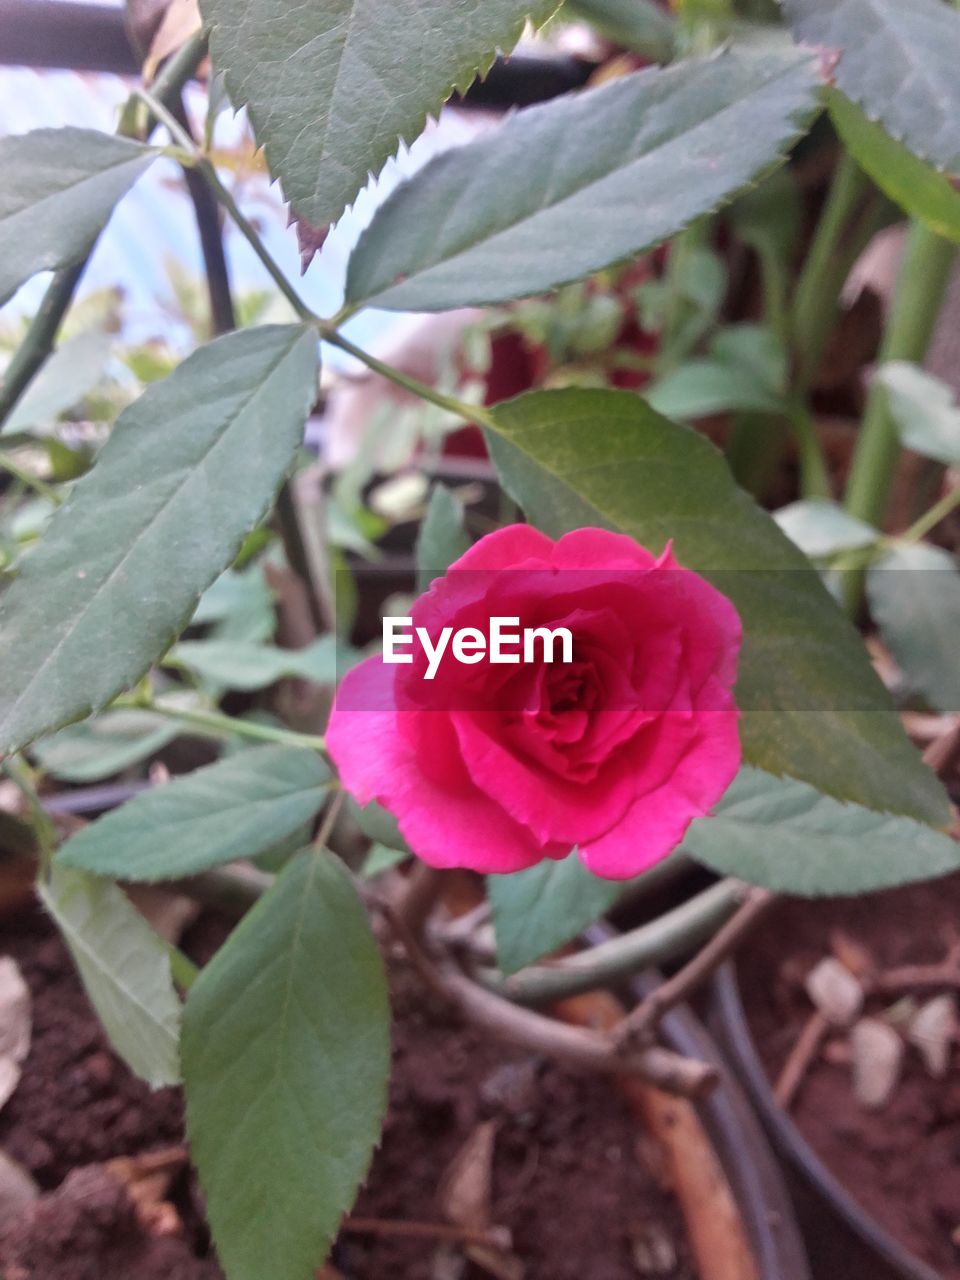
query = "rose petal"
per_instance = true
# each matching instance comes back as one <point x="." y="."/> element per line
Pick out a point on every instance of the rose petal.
<point x="446" y="826"/>
<point x="657" y="822"/>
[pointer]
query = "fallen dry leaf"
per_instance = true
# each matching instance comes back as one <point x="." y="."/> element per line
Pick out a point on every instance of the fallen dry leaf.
<point x="17" y="1190"/>
<point x="835" y="991"/>
<point x="148" y="1179"/>
<point x="465" y="1190"/>
<point x="932" y="1031"/>
<point x="877" y="1053"/>
<point x="179" y="22"/>
<point x="15" y="1026"/>
<point x="852" y="955"/>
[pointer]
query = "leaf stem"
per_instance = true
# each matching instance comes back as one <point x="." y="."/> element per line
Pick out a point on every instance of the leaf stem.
<point x="252" y="237"/>
<point x="224" y="726"/>
<point x="930" y="519"/>
<point x="173" y="126"/>
<point x="469" y="412"/>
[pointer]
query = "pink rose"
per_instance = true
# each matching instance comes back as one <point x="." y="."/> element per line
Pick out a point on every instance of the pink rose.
<point x="495" y="766"/>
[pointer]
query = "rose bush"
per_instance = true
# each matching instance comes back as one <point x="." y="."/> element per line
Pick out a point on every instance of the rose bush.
<point x="495" y="767"/>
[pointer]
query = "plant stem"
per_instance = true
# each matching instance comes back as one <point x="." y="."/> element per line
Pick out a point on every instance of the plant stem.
<point x="469" y="412"/>
<point x="182" y="969"/>
<point x="44" y="829"/>
<point x="930" y="519"/>
<point x="640" y="1025"/>
<point x="921" y="285"/>
<point x="814" y="473"/>
<point x="228" y="726"/>
<point x="825" y="269"/>
<point x="666" y="938"/>
<point x="38" y="343"/>
<point x="39" y="486"/>
<point x="249" y="233"/>
<point x="178" y="134"/>
<point x="231" y="890"/>
<point x="774" y="280"/>
<point x="207" y="197"/>
<point x="287" y="515"/>
<point x="583" y="1048"/>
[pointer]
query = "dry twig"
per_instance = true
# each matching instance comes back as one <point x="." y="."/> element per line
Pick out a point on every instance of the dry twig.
<point x="639" y="1026"/>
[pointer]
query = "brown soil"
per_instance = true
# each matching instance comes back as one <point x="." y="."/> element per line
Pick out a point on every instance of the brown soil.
<point x="569" y="1179"/>
<point x="902" y="1163"/>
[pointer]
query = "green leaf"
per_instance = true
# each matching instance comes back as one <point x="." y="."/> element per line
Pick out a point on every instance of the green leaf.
<point x="899" y="63"/>
<point x="537" y="910"/>
<point x="190" y="468"/>
<point x="64" y="381"/>
<point x="59" y="188"/>
<point x="769" y="217"/>
<point x="286" y="1053"/>
<point x="639" y="25"/>
<point x="378" y="824"/>
<point x="702" y="387"/>
<point x="914" y="595"/>
<point x="239" y="664"/>
<point x="813" y="707"/>
<point x="786" y="836"/>
<point x="381" y="858"/>
<point x="104" y="745"/>
<point x="125" y="969"/>
<point x="821" y="528"/>
<point x="442" y="537"/>
<point x="923" y="409"/>
<point x="331" y="88"/>
<point x="233" y="809"/>
<point x="746" y="372"/>
<point x="924" y="192"/>
<point x="561" y="190"/>
<point x="238" y="606"/>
